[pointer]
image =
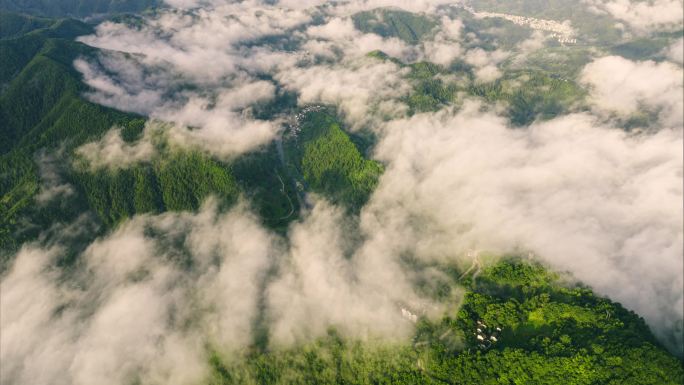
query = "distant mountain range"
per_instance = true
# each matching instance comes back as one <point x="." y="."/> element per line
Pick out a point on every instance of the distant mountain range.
<point x="75" y="8"/>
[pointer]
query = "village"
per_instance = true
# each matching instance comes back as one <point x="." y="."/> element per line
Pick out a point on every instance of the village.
<point x="295" y="124"/>
<point x="486" y="337"/>
<point x="562" y="32"/>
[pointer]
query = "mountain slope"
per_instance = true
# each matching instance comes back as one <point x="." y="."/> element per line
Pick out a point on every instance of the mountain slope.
<point x="75" y="8"/>
<point x="551" y="333"/>
<point x="389" y="22"/>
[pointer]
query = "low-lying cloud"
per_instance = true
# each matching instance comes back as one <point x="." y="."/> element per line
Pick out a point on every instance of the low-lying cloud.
<point x="133" y="311"/>
<point x="624" y="87"/>
<point x="643" y="16"/>
<point x="149" y="302"/>
<point x="592" y="200"/>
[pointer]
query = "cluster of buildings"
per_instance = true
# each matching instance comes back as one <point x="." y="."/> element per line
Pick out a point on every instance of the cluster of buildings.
<point x="486" y="337"/>
<point x="560" y="31"/>
<point x="299" y="117"/>
<point x="564" y="39"/>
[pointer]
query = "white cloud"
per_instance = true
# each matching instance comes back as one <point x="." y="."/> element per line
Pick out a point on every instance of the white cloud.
<point x="622" y="86"/>
<point x="148" y="301"/>
<point x="444" y="47"/>
<point x="644" y="15"/>
<point x="111" y="150"/>
<point x="342" y="40"/>
<point x="416" y="6"/>
<point x="486" y="63"/>
<point x="675" y="52"/>
<point x="191" y="68"/>
<point x="588" y="199"/>
<point x="357" y="87"/>
<point x="52" y="184"/>
<point x="135" y="310"/>
<point x="321" y="286"/>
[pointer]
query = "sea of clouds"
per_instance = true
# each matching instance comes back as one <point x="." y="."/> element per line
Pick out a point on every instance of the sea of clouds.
<point x="151" y="299"/>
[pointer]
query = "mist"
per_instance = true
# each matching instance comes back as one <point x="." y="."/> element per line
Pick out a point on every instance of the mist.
<point x="154" y="298"/>
<point x="585" y="198"/>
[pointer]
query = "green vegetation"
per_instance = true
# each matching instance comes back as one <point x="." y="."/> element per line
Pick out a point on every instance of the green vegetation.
<point x="406" y="26"/>
<point x="330" y="162"/>
<point x="14" y="25"/>
<point x="267" y="184"/>
<point x="491" y="32"/>
<point x="177" y="181"/>
<point x="644" y="47"/>
<point x="594" y="28"/>
<point x="41" y="108"/>
<point x="75" y="8"/>
<point x="532" y="95"/>
<point x="566" y="62"/>
<point x="551" y="334"/>
<point x="429" y="91"/>
<point x="329" y="360"/>
<point x="528" y="94"/>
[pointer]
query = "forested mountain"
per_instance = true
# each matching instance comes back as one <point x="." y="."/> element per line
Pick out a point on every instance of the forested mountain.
<point x="253" y="193"/>
<point x="397" y="23"/>
<point x="543" y="333"/>
<point x="41" y="108"/>
<point x="75" y="8"/>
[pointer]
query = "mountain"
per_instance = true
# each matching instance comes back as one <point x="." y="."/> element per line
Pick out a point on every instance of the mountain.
<point x="41" y="108"/>
<point x="536" y="331"/>
<point x="75" y="8"/>
<point x="403" y="25"/>
<point x="133" y="252"/>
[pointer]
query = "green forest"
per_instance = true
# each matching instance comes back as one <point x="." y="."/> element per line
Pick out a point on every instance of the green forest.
<point x="514" y="321"/>
<point x="75" y="8"/>
<point x="403" y="25"/>
<point x="551" y="333"/>
<point x="41" y="108"/>
<point x="529" y="94"/>
<point x="176" y="182"/>
<point x="331" y="163"/>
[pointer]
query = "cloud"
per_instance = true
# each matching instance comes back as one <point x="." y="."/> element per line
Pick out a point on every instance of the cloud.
<point x="147" y="302"/>
<point x="675" y="52"/>
<point x="224" y="131"/>
<point x="218" y="121"/>
<point x="113" y="152"/>
<point x="338" y="38"/>
<point x="485" y="63"/>
<point x="132" y="91"/>
<point x="176" y="65"/>
<point x="327" y="281"/>
<point x="643" y="15"/>
<point x="623" y="86"/>
<point x="53" y="185"/>
<point x="362" y="89"/>
<point x="444" y="47"/>
<point x="216" y="137"/>
<point x="194" y="69"/>
<point x="135" y="310"/>
<point x="416" y="6"/>
<point x="591" y="200"/>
